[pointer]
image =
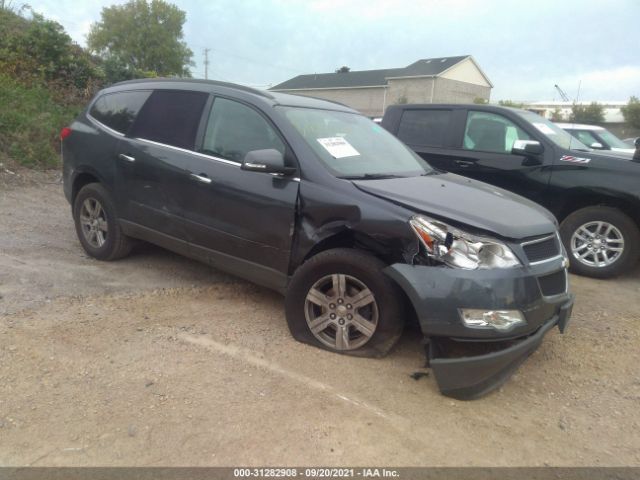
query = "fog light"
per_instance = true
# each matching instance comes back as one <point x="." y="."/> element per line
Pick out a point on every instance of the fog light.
<point x="501" y="320"/>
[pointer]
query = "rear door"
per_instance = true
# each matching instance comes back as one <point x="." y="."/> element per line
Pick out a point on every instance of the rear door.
<point x="428" y="132"/>
<point x="242" y="221"/>
<point x="483" y="152"/>
<point x="154" y="157"/>
<point x="114" y="113"/>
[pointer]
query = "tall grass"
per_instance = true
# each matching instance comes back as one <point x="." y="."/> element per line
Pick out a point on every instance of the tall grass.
<point x="30" y="122"/>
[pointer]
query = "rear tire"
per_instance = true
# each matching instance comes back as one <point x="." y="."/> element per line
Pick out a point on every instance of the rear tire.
<point x="340" y="300"/>
<point x="601" y="242"/>
<point x="97" y="225"/>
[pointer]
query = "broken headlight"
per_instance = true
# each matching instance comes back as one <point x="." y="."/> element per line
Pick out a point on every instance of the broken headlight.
<point x="460" y="249"/>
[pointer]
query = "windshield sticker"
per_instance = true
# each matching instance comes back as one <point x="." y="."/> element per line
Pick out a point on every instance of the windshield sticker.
<point x="544" y="128"/>
<point x="572" y="159"/>
<point x="338" y="147"/>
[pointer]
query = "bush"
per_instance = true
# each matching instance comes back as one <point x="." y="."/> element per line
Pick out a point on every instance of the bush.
<point x="631" y="112"/>
<point x="592" y="113"/>
<point x="36" y="50"/>
<point x="30" y="122"/>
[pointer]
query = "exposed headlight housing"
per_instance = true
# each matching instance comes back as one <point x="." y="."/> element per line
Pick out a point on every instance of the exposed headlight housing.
<point x="459" y="249"/>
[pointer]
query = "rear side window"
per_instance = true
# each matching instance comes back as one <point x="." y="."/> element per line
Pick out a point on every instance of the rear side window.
<point x="171" y="117"/>
<point x="119" y="110"/>
<point x="424" y="127"/>
<point x="235" y="129"/>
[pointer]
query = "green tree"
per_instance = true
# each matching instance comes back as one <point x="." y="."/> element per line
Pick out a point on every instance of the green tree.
<point x="631" y="112"/>
<point x="36" y="49"/>
<point x="480" y="101"/>
<point x="592" y="113"/>
<point x="510" y="103"/>
<point x="557" y="115"/>
<point x="141" y="39"/>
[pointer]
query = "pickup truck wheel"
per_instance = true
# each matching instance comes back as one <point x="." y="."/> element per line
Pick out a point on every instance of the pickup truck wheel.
<point x="341" y="301"/>
<point x="97" y="225"/>
<point x="602" y="242"/>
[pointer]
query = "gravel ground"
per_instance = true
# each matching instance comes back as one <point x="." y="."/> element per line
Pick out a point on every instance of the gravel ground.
<point x="158" y="360"/>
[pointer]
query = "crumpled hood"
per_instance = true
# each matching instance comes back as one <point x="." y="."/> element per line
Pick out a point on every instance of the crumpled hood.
<point x="466" y="201"/>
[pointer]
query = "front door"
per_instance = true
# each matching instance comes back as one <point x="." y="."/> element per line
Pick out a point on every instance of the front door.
<point x="485" y="154"/>
<point x="240" y="220"/>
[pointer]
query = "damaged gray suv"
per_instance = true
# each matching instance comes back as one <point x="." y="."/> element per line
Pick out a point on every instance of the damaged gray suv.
<point x="314" y="200"/>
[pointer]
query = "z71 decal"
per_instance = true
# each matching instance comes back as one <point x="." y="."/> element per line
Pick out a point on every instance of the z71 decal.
<point x="572" y="159"/>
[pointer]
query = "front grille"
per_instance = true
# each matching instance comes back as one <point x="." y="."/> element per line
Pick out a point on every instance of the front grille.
<point x="553" y="284"/>
<point x="544" y="249"/>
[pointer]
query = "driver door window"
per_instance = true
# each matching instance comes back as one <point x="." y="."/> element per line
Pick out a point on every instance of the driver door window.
<point x="490" y="132"/>
<point x="234" y="129"/>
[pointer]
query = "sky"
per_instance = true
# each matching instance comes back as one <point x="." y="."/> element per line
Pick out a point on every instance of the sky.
<point x="591" y="49"/>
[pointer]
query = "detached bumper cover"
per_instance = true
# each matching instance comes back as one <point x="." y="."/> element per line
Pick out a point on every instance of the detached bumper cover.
<point x="472" y="377"/>
<point x="438" y="293"/>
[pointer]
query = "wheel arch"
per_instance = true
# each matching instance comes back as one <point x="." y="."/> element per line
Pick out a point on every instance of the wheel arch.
<point x="582" y="199"/>
<point x="348" y="238"/>
<point x="81" y="179"/>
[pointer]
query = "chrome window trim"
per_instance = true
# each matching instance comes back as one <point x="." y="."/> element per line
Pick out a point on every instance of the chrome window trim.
<point x="184" y="150"/>
<point x="98" y="123"/>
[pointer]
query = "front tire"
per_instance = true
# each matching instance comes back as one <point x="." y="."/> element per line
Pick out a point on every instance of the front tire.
<point x="97" y="225"/>
<point x="340" y="300"/>
<point x="601" y="242"/>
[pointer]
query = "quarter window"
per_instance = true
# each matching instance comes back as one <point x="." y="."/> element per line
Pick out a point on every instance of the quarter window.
<point x="490" y="132"/>
<point x="234" y="129"/>
<point x="424" y="127"/>
<point x="171" y="117"/>
<point x="119" y="110"/>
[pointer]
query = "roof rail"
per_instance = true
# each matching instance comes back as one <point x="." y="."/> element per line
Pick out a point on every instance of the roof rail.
<point x="255" y="91"/>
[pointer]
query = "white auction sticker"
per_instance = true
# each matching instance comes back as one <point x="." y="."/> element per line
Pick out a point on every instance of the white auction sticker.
<point x="544" y="128"/>
<point x="338" y="147"/>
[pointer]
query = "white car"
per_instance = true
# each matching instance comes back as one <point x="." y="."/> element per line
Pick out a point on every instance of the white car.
<point x="596" y="137"/>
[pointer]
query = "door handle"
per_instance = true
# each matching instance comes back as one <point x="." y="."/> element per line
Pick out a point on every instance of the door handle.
<point x="128" y="158"/>
<point x="465" y="163"/>
<point x="201" y="178"/>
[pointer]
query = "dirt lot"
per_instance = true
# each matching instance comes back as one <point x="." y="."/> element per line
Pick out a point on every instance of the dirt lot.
<point x="158" y="360"/>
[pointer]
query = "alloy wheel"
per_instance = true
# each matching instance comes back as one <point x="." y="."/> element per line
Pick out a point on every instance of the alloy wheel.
<point x="93" y="220"/>
<point x="341" y="312"/>
<point x="597" y="244"/>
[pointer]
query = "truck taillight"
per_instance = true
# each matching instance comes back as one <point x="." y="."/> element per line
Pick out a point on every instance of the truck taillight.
<point x="65" y="132"/>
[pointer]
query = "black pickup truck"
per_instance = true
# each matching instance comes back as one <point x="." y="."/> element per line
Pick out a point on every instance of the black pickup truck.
<point x="595" y="197"/>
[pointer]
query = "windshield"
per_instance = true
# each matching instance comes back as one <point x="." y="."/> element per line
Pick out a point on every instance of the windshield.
<point x="353" y="146"/>
<point x="552" y="131"/>
<point x="612" y="140"/>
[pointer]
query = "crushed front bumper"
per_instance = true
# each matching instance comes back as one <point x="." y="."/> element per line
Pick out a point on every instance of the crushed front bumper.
<point x="438" y="293"/>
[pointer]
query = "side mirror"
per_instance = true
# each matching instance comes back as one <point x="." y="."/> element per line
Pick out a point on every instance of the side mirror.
<point x="527" y="147"/>
<point x="266" y="161"/>
<point x="596" y="146"/>
<point x="637" y="142"/>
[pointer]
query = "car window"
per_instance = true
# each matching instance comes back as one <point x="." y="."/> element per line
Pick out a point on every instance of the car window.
<point x="611" y="139"/>
<point x="234" y="129"/>
<point x="171" y="117"/>
<point x="585" y="137"/>
<point x="424" y="127"/>
<point x="351" y="145"/>
<point x="119" y="110"/>
<point x="490" y="132"/>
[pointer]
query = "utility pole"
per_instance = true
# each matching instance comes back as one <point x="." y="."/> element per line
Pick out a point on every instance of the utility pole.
<point x="206" y="63"/>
